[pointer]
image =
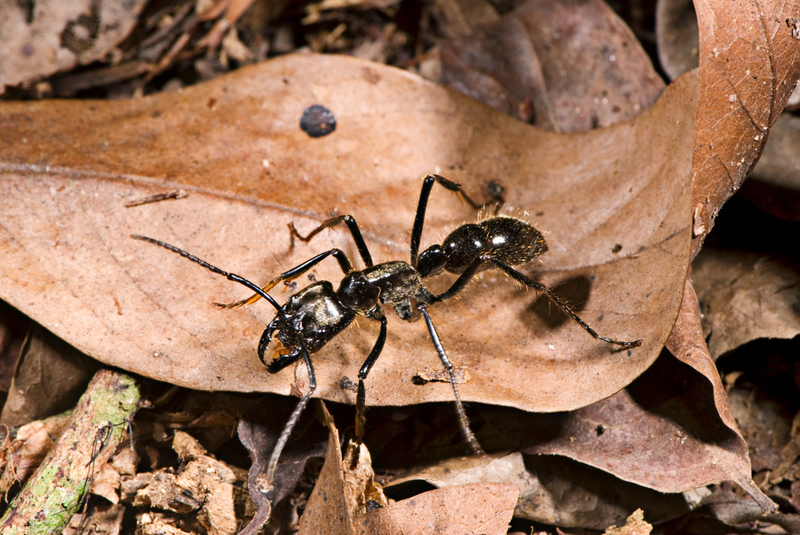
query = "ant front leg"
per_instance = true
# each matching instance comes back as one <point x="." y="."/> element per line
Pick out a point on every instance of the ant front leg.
<point x="462" y="414"/>
<point x="292" y="274"/>
<point x="422" y="206"/>
<point x="352" y="226"/>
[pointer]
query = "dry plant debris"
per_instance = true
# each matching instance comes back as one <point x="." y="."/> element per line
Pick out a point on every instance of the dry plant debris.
<point x="627" y="199"/>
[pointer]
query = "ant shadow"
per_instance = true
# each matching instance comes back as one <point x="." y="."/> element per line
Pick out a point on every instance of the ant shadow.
<point x="574" y="291"/>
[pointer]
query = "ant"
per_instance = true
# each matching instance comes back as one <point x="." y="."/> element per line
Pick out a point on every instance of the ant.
<point x="316" y="314"/>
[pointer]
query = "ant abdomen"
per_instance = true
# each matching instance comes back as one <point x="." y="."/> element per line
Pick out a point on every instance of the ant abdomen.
<point x="506" y="239"/>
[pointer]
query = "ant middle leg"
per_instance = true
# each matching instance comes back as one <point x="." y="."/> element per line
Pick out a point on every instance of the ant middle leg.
<point x="462" y="414"/>
<point x="292" y="274"/>
<point x="422" y="206"/>
<point x="352" y="226"/>
<point x="473" y="268"/>
<point x="361" y="398"/>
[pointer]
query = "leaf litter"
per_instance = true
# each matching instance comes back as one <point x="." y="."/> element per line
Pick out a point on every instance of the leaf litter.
<point x="320" y="213"/>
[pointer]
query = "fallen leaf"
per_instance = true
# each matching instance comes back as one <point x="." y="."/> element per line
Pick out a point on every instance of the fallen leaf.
<point x="42" y="39"/>
<point x="332" y="505"/>
<point x="749" y="64"/>
<point x="553" y="490"/>
<point x="576" y="64"/>
<point x="686" y="342"/>
<point x="677" y="36"/>
<point x="49" y="378"/>
<point x="615" y="219"/>
<point x="745" y="297"/>
<point x="105" y="483"/>
<point x="478" y="508"/>
<point x="33" y="442"/>
<point x="258" y="431"/>
<point x="676" y="414"/>
<point x="735" y="510"/>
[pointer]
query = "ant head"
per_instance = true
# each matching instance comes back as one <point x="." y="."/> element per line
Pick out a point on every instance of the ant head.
<point x="357" y="293"/>
<point x="431" y="261"/>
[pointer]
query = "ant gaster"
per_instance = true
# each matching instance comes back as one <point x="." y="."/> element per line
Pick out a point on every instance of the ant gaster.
<point x="316" y="314"/>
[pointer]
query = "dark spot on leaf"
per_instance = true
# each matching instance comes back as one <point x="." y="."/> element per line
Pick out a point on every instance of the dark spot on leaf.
<point x="600" y="429"/>
<point x="318" y="121"/>
<point x="372" y="505"/>
<point x="617" y="248"/>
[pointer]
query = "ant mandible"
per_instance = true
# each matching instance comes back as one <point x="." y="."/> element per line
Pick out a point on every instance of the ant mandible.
<point x="314" y="316"/>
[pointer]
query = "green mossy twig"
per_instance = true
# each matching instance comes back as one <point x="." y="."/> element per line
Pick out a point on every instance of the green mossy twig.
<point x="55" y="491"/>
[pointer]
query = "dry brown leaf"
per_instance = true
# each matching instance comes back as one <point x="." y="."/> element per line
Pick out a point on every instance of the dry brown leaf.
<point x="554" y="490"/>
<point x="330" y="508"/>
<point x="670" y="416"/>
<point x="105" y="519"/>
<point x="567" y="66"/>
<point x="686" y="342"/>
<point x="613" y="202"/>
<point x="477" y="508"/>
<point x="745" y="297"/>
<point x="677" y="36"/>
<point x="105" y="483"/>
<point x="749" y="64"/>
<point x="345" y="492"/>
<point x="49" y="378"/>
<point x="40" y="39"/>
<point x="667" y="417"/>
<point x="34" y="441"/>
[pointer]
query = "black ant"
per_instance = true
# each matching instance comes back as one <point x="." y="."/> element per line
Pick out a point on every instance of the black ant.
<point x="314" y="316"/>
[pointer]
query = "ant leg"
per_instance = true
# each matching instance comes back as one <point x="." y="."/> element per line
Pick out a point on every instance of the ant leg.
<point x="468" y="273"/>
<point x="422" y="206"/>
<point x="361" y="398"/>
<point x="462" y="415"/>
<point x="352" y="226"/>
<point x="539" y="287"/>
<point x="230" y="276"/>
<point x="292" y="274"/>
<point x="287" y="430"/>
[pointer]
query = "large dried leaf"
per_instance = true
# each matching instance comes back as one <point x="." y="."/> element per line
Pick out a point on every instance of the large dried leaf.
<point x="613" y="203"/>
